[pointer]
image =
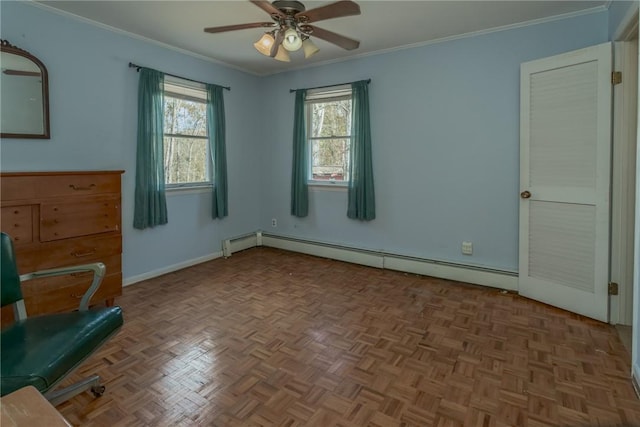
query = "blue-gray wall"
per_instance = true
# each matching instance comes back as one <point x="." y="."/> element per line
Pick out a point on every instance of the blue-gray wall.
<point x="445" y="129"/>
<point x="93" y="104"/>
<point x="445" y="138"/>
<point x="618" y="11"/>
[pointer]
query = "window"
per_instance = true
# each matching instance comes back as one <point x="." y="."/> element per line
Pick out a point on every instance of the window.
<point x="329" y="135"/>
<point x="186" y="145"/>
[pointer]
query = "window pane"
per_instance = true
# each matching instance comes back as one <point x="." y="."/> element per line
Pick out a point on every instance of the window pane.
<point x="185" y="160"/>
<point x="330" y="159"/>
<point x="331" y="118"/>
<point x="182" y="117"/>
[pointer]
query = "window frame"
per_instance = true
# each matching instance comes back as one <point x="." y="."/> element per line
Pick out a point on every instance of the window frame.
<point x="317" y="96"/>
<point x="175" y="84"/>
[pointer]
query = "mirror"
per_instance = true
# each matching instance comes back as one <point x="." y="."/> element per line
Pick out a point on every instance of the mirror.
<point x="24" y="94"/>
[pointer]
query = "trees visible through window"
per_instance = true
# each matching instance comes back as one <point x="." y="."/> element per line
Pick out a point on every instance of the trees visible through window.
<point x="186" y="156"/>
<point x="329" y="135"/>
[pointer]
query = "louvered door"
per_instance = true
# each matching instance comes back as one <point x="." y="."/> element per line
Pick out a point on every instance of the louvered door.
<point x="565" y="135"/>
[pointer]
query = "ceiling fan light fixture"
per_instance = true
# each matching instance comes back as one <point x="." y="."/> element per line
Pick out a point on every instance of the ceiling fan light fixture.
<point x="309" y="48"/>
<point x="282" y="55"/>
<point x="292" y="40"/>
<point x="292" y="24"/>
<point x="264" y="44"/>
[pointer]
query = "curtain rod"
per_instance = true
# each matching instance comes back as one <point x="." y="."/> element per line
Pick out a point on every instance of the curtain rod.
<point x="137" y="67"/>
<point x="322" y="87"/>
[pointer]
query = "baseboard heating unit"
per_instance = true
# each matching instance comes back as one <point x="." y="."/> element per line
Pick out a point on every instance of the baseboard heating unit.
<point x="240" y="243"/>
<point x="478" y="275"/>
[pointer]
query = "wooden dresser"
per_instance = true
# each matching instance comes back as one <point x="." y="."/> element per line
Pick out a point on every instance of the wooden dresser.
<point x="59" y="219"/>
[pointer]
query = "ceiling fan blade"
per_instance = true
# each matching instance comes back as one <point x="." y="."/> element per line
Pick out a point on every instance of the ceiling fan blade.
<point x="238" y="27"/>
<point x="330" y="11"/>
<point x="268" y="7"/>
<point x="277" y="43"/>
<point x="337" y="39"/>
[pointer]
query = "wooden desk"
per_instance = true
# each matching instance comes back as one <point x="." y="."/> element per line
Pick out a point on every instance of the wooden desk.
<point x="27" y="407"/>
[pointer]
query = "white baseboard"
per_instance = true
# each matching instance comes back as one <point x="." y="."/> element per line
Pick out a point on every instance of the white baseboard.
<point x="461" y="273"/>
<point x="229" y="246"/>
<point x="169" y="269"/>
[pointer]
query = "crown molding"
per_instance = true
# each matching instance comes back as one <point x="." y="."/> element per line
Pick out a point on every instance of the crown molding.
<point x="597" y="9"/>
<point x="137" y="36"/>
<point x="471" y="34"/>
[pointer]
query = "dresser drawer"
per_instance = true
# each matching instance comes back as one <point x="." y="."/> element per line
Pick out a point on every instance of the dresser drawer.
<point x="77" y="251"/>
<point x="68" y="297"/>
<point x="17" y="222"/>
<point x="77" y="185"/>
<point x="27" y="258"/>
<point x="73" y="219"/>
<point x="18" y="187"/>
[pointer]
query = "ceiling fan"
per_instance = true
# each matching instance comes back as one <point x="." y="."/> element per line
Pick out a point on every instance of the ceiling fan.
<point x="291" y="27"/>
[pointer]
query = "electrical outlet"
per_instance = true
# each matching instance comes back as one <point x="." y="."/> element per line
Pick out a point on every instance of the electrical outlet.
<point x="274" y="222"/>
<point x="467" y="248"/>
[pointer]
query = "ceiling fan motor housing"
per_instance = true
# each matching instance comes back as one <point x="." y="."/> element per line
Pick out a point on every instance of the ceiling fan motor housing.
<point x="289" y="7"/>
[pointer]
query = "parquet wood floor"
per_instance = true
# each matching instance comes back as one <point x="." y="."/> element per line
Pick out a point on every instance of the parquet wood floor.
<point x="273" y="338"/>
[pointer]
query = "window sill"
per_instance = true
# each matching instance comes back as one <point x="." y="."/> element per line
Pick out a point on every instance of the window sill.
<point x="181" y="191"/>
<point x="326" y="186"/>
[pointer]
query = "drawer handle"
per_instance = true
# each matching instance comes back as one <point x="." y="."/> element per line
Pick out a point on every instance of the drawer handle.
<point x="77" y="188"/>
<point x="84" y="254"/>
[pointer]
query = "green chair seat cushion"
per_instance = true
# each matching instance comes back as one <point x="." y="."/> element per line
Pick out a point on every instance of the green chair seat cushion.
<point x="41" y="350"/>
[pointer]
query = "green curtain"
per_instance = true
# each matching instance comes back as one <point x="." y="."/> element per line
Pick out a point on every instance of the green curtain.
<point x="217" y="149"/>
<point x="150" y="203"/>
<point x="299" y="175"/>
<point x="361" y="197"/>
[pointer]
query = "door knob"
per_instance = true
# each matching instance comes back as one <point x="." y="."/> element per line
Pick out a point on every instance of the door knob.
<point x="525" y="194"/>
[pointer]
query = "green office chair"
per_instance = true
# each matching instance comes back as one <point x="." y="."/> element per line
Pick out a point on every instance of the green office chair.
<point x="43" y="350"/>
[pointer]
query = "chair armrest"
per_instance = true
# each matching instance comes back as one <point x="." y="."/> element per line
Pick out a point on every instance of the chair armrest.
<point x="98" y="269"/>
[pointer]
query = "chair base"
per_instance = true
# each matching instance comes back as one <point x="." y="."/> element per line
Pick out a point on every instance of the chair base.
<point x="56" y="397"/>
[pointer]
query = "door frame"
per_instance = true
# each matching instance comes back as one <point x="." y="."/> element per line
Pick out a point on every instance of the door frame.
<point x="622" y="268"/>
<point x="625" y="101"/>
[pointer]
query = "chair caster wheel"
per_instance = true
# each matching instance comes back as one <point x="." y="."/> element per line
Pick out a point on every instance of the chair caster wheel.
<point x="98" y="390"/>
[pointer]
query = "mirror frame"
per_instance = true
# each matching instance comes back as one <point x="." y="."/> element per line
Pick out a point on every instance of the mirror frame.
<point x="6" y="47"/>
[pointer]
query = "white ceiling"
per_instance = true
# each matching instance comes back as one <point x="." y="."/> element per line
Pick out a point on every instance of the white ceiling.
<point x="383" y="25"/>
